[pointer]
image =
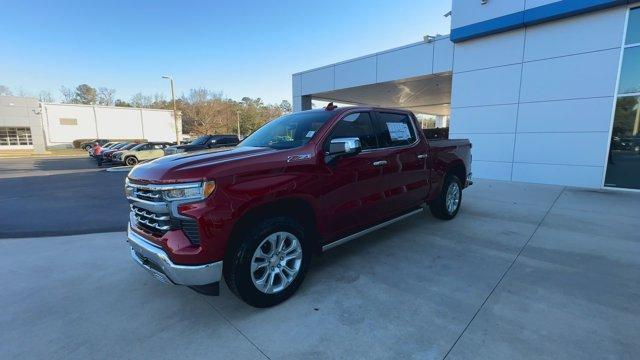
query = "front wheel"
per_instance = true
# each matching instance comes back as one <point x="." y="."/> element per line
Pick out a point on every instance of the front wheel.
<point x="269" y="263"/>
<point x="87" y="147"/>
<point x="447" y="204"/>
<point x="131" y="161"/>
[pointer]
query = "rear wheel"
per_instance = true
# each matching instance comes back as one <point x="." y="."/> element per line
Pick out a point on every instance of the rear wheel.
<point x="269" y="263"/>
<point x="131" y="161"/>
<point x="87" y="147"/>
<point x="447" y="204"/>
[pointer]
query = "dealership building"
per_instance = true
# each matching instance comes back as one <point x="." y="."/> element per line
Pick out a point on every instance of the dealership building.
<point x="26" y="124"/>
<point x="548" y="91"/>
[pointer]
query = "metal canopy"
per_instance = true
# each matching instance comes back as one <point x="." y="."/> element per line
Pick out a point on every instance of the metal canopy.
<point x="429" y="94"/>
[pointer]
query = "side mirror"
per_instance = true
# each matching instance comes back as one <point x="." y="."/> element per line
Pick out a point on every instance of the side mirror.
<point x="344" y="146"/>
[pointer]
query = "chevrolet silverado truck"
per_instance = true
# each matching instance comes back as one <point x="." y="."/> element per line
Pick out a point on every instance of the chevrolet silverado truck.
<point x="298" y="186"/>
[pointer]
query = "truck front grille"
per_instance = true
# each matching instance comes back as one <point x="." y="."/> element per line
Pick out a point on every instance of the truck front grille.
<point x="153" y="214"/>
<point x="150" y="221"/>
<point x="149" y="195"/>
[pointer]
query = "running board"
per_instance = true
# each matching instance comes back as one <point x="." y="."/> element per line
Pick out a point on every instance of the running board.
<point x="368" y="230"/>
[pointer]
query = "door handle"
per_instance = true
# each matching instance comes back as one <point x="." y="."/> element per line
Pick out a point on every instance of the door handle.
<point x="423" y="156"/>
<point x="380" y="163"/>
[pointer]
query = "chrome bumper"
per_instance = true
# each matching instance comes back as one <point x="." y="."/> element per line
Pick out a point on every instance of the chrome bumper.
<point x="156" y="261"/>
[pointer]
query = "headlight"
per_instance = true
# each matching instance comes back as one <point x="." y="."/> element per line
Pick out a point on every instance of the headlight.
<point x="176" y="192"/>
<point x="189" y="191"/>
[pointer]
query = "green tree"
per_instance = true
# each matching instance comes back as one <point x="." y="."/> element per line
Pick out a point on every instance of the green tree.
<point x="86" y="94"/>
<point x="285" y="106"/>
<point x="122" y="103"/>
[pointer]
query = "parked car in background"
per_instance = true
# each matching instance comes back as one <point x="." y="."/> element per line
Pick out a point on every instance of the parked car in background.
<point x="300" y="185"/>
<point x="103" y="147"/>
<point x="141" y="152"/>
<point x="107" y="155"/>
<point x="112" y="147"/>
<point x="87" y="145"/>
<point x="205" y="142"/>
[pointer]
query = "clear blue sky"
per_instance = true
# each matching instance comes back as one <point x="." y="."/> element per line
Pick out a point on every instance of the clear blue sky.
<point x="242" y="48"/>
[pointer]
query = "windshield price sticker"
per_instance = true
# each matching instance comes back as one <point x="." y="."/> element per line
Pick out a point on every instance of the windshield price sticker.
<point x="398" y="131"/>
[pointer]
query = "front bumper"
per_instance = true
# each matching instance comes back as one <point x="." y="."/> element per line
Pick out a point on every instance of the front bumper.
<point x="156" y="261"/>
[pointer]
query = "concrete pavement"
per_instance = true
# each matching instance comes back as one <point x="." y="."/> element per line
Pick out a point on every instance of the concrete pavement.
<point x="524" y="271"/>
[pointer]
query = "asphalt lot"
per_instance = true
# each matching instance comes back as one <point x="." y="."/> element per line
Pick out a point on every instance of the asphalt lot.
<point x="524" y="271"/>
<point x="59" y="196"/>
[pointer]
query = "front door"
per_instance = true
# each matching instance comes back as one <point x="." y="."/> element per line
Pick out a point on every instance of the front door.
<point x="354" y="190"/>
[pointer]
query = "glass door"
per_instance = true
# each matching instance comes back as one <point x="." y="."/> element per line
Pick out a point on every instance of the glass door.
<point x="623" y="165"/>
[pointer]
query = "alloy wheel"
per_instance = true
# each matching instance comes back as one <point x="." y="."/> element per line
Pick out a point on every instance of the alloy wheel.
<point x="276" y="262"/>
<point x="453" y="197"/>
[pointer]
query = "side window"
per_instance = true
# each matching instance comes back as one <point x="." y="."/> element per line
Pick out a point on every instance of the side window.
<point x="356" y="125"/>
<point x="396" y="129"/>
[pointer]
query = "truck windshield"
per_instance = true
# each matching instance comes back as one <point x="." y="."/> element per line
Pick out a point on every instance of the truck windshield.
<point x="288" y="131"/>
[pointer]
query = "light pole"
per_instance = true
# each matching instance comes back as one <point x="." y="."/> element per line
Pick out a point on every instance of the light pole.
<point x="238" y="117"/>
<point x="175" y="111"/>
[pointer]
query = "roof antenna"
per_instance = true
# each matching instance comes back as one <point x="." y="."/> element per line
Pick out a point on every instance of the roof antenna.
<point x="330" y="106"/>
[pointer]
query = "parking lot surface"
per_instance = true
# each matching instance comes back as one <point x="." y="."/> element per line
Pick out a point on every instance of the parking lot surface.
<point x="524" y="271"/>
<point x="59" y="196"/>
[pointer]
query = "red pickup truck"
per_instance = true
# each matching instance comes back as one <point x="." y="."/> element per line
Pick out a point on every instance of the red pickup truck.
<point x="298" y="186"/>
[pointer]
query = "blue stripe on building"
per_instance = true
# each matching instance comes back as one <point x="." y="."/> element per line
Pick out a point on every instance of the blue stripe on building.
<point x="540" y="14"/>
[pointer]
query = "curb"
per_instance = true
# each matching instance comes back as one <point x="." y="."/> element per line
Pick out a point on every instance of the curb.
<point x="119" y="169"/>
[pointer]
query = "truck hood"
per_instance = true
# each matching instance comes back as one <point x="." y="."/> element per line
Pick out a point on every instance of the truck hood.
<point x="192" y="166"/>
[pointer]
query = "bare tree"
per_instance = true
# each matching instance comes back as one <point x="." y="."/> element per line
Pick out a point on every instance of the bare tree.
<point x="67" y="95"/>
<point x="141" y="100"/>
<point x="106" y="96"/>
<point x="200" y="95"/>
<point x="23" y="93"/>
<point x="45" y="96"/>
<point x="5" y="91"/>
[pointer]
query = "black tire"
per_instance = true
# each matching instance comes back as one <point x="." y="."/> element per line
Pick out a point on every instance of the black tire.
<point x="130" y="161"/>
<point x="237" y="265"/>
<point x="438" y="206"/>
<point x="87" y="147"/>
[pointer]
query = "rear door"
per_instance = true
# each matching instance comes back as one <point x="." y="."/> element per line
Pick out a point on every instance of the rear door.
<point x="353" y="187"/>
<point x="155" y="151"/>
<point x="404" y="151"/>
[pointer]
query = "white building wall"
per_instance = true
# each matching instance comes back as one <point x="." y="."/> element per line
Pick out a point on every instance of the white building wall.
<point x="105" y="122"/>
<point x="537" y="102"/>
<point x="158" y="125"/>
<point x="59" y="134"/>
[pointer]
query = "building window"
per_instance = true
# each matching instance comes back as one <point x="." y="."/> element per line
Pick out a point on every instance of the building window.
<point x="633" y="27"/>
<point x="68" y="121"/>
<point x="623" y="164"/>
<point x="15" y="136"/>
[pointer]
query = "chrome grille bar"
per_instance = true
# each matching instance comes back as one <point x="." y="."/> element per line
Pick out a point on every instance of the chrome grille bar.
<point x="149" y="214"/>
